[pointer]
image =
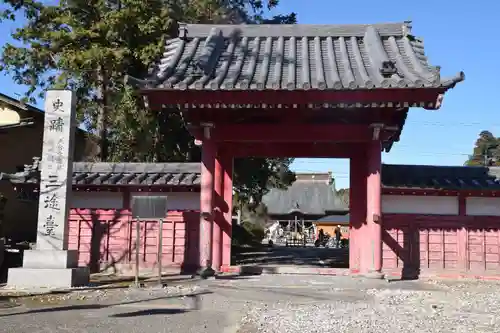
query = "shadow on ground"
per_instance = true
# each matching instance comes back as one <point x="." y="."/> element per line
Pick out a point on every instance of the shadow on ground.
<point x="282" y="255"/>
<point x="149" y="312"/>
<point x="194" y="296"/>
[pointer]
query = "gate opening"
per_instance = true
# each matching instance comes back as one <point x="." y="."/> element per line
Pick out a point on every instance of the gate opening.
<point x="305" y="224"/>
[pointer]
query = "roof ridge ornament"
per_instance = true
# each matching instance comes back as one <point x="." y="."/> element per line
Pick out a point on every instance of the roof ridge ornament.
<point x="437" y="75"/>
<point x="388" y="68"/>
<point x="201" y="65"/>
<point x="407" y="26"/>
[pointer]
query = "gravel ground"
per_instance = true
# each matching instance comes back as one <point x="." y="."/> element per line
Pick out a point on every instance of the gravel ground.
<point x="268" y="303"/>
<point x="368" y="306"/>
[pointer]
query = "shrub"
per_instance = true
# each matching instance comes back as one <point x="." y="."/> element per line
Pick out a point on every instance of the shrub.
<point x="247" y="234"/>
<point x="257" y="231"/>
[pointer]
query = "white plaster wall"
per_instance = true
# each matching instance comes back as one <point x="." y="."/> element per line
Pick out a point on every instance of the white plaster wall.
<point x="482" y="206"/>
<point x="176" y="200"/>
<point x="114" y="200"/>
<point x="104" y="200"/>
<point x="419" y="204"/>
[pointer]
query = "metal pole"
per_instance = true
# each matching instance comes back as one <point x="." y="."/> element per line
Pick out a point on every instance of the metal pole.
<point x="160" y="249"/>
<point x="137" y="245"/>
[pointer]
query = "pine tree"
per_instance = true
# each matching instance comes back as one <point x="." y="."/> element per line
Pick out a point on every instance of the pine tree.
<point x="486" y="150"/>
<point x="91" y="46"/>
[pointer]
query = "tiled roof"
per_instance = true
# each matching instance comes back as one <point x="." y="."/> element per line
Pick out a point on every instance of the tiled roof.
<point x="309" y="198"/>
<point x="334" y="219"/>
<point x="325" y="177"/>
<point x="290" y="57"/>
<point x="138" y="174"/>
<point x="441" y="177"/>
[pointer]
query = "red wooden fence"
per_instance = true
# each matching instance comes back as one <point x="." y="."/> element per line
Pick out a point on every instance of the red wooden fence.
<point x="442" y="243"/>
<point x="106" y="238"/>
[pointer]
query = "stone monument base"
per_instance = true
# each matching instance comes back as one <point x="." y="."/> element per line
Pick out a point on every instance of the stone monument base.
<point x="50" y="259"/>
<point x="48" y="269"/>
<point x="25" y="278"/>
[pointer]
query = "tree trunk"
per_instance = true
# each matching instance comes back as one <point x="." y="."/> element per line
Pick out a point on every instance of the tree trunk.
<point x="102" y="118"/>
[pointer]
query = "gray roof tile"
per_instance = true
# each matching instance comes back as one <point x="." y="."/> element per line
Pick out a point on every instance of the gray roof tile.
<point x="290" y="57"/>
<point x="309" y="198"/>
<point x="117" y="174"/>
<point x="334" y="219"/>
<point x="302" y="196"/>
<point x="441" y="177"/>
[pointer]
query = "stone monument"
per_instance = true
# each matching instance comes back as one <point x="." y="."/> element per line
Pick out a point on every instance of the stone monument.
<point x="51" y="264"/>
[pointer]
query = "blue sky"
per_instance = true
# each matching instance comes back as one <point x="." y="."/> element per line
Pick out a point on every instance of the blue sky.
<point x="458" y="36"/>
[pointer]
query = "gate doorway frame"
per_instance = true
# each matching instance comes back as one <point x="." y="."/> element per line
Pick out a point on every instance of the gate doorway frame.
<point x="234" y="114"/>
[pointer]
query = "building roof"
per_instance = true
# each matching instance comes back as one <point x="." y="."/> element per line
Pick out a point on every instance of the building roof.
<point x="324" y="177"/>
<point x="295" y="57"/>
<point x="308" y="198"/>
<point x="14" y="106"/>
<point x="334" y="219"/>
<point x="441" y="177"/>
<point x="32" y="111"/>
<point x="122" y="174"/>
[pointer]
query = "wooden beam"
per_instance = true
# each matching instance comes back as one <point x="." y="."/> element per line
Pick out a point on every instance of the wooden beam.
<point x="298" y="150"/>
<point x="292" y="133"/>
<point x="440" y="192"/>
<point x="299" y="97"/>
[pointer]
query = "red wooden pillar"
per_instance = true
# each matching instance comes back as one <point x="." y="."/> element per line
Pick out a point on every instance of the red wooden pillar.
<point x="227" y="226"/>
<point x="208" y="153"/>
<point x="374" y="206"/>
<point x="462" y="234"/>
<point x="218" y="217"/>
<point x="357" y="209"/>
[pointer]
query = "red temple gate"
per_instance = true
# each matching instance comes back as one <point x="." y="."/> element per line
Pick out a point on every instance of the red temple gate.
<point x="295" y="91"/>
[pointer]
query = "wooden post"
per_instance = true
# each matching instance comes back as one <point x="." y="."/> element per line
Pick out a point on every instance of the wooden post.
<point x="218" y="217"/>
<point x="137" y="249"/>
<point x="227" y="166"/>
<point x="206" y="200"/>
<point x="357" y="210"/>
<point x="160" y="250"/>
<point x="374" y="203"/>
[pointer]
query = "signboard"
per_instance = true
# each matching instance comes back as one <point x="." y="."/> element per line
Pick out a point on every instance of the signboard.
<point x="149" y="207"/>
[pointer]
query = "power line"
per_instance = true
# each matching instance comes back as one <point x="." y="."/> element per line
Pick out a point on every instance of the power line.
<point x="314" y="160"/>
<point x="452" y="123"/>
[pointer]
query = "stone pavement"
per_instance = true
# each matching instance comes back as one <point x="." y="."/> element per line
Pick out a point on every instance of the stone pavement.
<point x="267" y="303"/>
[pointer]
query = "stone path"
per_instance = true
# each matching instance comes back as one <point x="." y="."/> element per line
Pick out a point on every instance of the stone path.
<point x="268" y="303"/>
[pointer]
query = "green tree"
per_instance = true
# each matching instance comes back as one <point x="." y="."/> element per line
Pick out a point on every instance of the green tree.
<point x="91" y="46"/>
<point x="486" y="150"/>
<point x="343" y="194"/>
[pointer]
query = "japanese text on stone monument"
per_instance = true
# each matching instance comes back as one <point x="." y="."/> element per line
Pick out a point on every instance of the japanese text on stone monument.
<point x="56" y="170"/>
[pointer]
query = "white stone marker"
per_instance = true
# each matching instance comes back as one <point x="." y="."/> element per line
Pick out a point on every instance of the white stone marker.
<point x="56" y="170"/>
<point x="51" y="264"/>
